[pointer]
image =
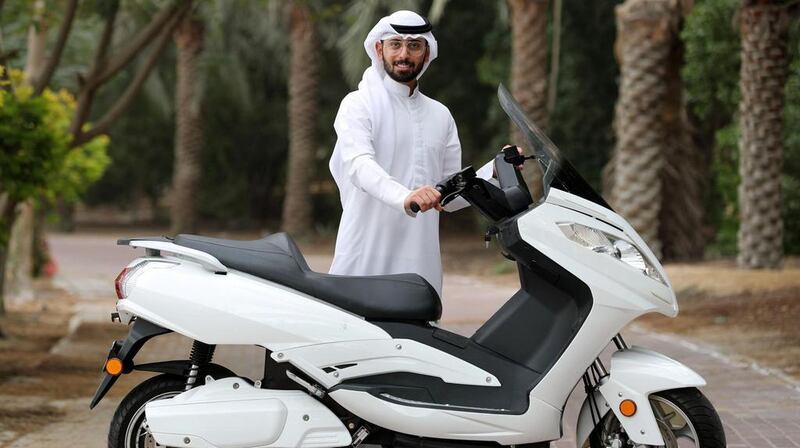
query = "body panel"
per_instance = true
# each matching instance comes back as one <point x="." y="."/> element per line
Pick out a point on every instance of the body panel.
<point x="541" y="422"/>
<point x="229" y="413"/>
<point x="375" y="357"/>
<point x="238" y="308"/>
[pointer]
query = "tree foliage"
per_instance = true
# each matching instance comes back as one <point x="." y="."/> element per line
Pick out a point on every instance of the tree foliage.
<point x="35" y="155"/>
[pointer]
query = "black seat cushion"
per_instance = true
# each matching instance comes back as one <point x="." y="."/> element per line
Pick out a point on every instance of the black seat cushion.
<point x="277" y="258"/>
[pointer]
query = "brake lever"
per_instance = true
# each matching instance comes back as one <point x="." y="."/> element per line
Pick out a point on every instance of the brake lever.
<point x="457" y="182"/>
<point x="450" y="197"/>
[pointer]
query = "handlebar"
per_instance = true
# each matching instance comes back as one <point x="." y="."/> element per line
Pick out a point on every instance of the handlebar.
<point x="415" y="207"/>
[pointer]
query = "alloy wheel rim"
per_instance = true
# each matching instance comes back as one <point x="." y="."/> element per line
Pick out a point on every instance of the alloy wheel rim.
<point x="137" y="434"/>
<point x="675" y="426"/>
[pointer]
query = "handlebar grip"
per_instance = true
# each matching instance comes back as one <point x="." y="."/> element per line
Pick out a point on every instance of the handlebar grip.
<point x="415" y="207"/>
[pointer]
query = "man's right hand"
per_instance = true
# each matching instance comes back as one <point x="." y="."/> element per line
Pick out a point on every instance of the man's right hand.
<point x="426" y="197"/>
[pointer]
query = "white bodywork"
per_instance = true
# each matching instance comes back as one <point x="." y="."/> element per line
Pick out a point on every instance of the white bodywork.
<point x="187" y="294"/>
<point x="230" y="413"/>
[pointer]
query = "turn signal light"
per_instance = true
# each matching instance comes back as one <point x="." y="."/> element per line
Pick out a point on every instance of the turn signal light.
<point x="114" y="366"/>
<point x="627" y="408"/>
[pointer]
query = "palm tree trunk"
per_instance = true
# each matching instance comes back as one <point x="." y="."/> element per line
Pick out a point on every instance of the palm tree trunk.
<point x="303" y="80"/>
<point x="188" y="130"/>
<point x="762" y="79"/>
<point x="685" y="170"/>
<point x="646" y="31"/>
<point x="684" y="177"/>
<point x="529" y="73"/>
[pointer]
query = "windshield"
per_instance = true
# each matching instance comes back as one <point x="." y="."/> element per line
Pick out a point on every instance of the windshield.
<point x="556" y="169"/>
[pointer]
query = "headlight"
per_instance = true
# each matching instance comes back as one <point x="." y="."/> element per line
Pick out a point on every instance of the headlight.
<point x="604" y="243"/>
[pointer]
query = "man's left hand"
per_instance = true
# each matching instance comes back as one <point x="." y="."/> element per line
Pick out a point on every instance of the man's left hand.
<point x="519" y="167"/>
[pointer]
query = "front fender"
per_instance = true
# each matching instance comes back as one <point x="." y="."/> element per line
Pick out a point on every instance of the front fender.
<point x="635" y="374"/>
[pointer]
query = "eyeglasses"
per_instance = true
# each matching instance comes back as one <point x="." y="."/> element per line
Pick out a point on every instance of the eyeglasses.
<point x="413" y="46"/>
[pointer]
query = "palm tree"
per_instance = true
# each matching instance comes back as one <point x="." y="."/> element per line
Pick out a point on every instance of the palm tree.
<point x="763" y="27"/>
<point x="188" y="130"/>
<point x="646" y="32"/>
<point x="528" y="20"/>
<point x="303" y="81"/>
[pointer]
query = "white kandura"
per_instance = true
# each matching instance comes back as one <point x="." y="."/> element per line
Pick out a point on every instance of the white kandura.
<point x="390" y="143"/>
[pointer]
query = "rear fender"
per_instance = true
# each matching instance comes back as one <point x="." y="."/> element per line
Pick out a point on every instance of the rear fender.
<point x="126" y="350"/>
<point x="141" y="331"/>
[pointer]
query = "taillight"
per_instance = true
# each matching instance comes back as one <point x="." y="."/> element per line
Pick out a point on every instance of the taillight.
<point x="118" y="283"/>
<point x="122" y="283"/>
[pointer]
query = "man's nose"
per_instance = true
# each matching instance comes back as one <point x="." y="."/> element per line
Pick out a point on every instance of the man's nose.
<point x="403" y="51"/>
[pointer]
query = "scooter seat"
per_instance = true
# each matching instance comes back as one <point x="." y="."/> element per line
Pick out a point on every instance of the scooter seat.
<point x="278" y="259"/>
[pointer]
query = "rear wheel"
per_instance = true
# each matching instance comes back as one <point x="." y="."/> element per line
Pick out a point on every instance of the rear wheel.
<point x="129" y="427"/>
<point x="685" y="418"/>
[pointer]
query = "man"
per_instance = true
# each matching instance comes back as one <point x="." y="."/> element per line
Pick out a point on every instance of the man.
<point x="394" y="144"/>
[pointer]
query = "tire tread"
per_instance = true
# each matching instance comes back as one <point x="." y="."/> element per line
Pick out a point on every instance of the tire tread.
<point x="701" y="412"/>
<point x="140" y="395"/>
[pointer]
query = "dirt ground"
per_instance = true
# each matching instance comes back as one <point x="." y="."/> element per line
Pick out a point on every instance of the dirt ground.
<point x="30" y="330"/>
<point x="35" y="380"/>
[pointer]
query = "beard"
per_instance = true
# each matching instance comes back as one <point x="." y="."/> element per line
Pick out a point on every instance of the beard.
<point x="412" y="74"/>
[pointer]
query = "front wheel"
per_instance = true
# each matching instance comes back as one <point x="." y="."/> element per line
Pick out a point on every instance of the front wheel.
<point x="129" y="426"/>
<point x="685" y="418"/>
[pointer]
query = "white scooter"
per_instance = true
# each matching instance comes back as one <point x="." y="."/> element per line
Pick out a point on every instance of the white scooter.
<point x="353" y="360"/>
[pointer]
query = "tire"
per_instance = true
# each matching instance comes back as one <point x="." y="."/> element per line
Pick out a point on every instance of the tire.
<point x="128" y="427"/>
<point x="700" y="412"/>
<point x="685" y="417"/>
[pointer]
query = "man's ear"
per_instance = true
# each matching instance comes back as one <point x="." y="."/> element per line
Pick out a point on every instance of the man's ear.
<point x="427" y="53"/>
<point x="379" y="49"/>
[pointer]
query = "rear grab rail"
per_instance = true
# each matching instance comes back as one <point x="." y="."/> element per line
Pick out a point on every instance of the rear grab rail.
<point x="156" y="245"/>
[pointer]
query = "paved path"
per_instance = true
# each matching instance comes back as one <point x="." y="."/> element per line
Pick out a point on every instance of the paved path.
<point x="759" y="408"/>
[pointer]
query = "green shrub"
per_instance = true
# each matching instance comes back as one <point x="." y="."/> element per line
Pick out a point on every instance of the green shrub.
<point x="36" y="160"/>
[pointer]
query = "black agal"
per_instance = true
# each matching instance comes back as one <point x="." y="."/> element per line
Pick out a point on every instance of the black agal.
<point x="413" y="29"/>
